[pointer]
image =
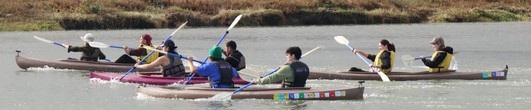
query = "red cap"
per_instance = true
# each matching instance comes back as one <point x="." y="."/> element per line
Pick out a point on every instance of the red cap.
<point x="147" y="37"/>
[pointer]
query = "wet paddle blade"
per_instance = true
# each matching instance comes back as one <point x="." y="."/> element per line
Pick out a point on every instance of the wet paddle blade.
<point x="341" y="40"/>
<point x="384" y="77"/>
<point x="224" y="96"/>
<point x="234" y="22"/>
<point x="408" y="60"/>
<point x="248" y="74"/>
<point x="453" y="64"/>
<point x="42" y="39"/>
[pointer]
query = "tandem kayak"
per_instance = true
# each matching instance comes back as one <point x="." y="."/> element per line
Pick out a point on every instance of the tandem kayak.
<point x="404" y="76"/>
<point x="302" y="93"/>
<point x="155" y="78"/>
<point x="25" y="63"/>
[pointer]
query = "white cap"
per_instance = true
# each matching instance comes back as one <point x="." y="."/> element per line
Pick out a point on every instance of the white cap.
<point x="88" y="37"/>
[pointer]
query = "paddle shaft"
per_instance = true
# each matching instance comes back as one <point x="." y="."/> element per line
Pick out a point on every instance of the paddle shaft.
<point x="217" y="44"/>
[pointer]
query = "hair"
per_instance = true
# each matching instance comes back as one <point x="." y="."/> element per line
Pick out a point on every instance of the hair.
<point x="231" y="44"/>
<point x="390" y="46"/>
<point x="295" y="51"/>
<point x="172" y="50"/>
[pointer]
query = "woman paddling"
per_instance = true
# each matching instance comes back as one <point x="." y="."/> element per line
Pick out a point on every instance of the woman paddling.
<point x="172" y="66"/>
<point x="384" y="60"/>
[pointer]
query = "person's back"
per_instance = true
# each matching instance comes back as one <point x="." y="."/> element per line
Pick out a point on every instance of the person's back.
<point x="300" y="72"/>
<point x="219" y="72"/>
<point x="175" y="68"/>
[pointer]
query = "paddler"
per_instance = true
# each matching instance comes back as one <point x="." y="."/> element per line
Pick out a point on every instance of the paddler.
<point x="441" y="58"/>
<point x="219" y="72"/>
<point x="171" y="66"/>
<point x="293" y="74"/>
<point x="140" y="52"/>
<point x="384" y="60"/>
<point x="233" y="56"/>
<point x="88" y="53"/>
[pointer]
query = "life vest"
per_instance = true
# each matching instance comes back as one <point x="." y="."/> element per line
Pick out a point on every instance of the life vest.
<point x="378" y="60"/>
<point x="240" y="60"/>
<point x="175" y="68"/>
<point x="300" y="72"/>
<point x="225" y="72"/>
<point x="151" y="58"/>
<point x="445" y="64"/>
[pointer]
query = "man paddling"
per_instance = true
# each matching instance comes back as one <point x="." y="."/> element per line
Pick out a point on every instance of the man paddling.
<point x="233" y="56"/>
<point x="441" y="58"/>
<point x="219" y="72"/>
<point x="88" y="53"/>
<point x="293" y="74"/>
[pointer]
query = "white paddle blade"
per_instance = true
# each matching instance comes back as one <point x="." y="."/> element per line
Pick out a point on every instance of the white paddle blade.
<point x="384" y="77"/>
<point x="341" y="40"/>
<point x="453" y="64"/>
<point x="235" y="22"/>
<point x="408" y="60"/>
<point x="224" y="96"/>
<point x="311" y="51"/>
<point x="42" y="39"/>
<point x="98" y="45"/>
<point x="248" y="74"/>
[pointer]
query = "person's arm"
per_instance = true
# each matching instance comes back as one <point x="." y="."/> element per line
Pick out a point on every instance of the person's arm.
<point x="159" y="62"/>
<point x="281" y="74"/>
<point x="364" y="54"/>
<point x="386" y="61"/>
<point x="435" y="63"/>
<point x="100" y="54"/>
<point x="192" y="67"/>
<point x="136" y="52"/>
<point x="75" y="49"/>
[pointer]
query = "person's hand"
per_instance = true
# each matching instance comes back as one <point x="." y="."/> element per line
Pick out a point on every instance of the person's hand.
<point x="254" y="81"/>
<point x="136" y="64"/>
<point x="66" y="46"/>
<point x="422" y="57"/>
<point x="190" y="58"/>
<point x="355" y="50"/>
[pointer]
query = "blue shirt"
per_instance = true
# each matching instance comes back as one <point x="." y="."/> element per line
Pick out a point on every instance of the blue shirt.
<point x="211" y="71"/>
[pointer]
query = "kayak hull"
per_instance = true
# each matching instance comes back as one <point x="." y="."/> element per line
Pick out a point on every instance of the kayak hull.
<point x="25" y="63"/>
<point x="155" y="78"/>
<point x="255" y="93"/>
<point x="405" y="76"/>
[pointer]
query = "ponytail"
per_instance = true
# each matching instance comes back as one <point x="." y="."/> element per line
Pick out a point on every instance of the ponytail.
<point x="390" y="47"/>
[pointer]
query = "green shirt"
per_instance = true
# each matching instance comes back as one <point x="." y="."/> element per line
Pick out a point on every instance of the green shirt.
<point x="285" y="72"/>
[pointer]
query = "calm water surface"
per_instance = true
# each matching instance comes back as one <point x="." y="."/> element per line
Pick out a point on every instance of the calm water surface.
<point x="481" y="47"/>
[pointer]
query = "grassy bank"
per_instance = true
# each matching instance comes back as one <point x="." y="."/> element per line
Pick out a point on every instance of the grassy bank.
<point x="44" y="15"/>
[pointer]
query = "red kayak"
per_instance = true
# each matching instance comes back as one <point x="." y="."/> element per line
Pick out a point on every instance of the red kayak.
<point x="155" y="79"/>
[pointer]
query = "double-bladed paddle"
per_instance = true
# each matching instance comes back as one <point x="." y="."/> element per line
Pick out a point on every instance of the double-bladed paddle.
<point x="217" y="44"/>
<point x="343" y="40"/>
<point x="228" y="95"/>
<point x="145" y="57"/>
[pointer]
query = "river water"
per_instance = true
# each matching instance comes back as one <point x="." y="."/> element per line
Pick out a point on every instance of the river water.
<point x="480" y="47"/>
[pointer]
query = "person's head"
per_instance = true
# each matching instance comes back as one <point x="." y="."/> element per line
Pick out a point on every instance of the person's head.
<point x="293" y="53"/>
<point x="169" y="46"/>
<point x="145" y="39"/>
<point x="215" y="53"/>
<point x="88" y="37"/>
<point x="386" y="45"/>
<point x="230" y="47"/>
<point x="437" y="43"/>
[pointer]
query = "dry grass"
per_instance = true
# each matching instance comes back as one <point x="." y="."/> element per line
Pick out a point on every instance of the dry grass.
<point x="23" y="12"/>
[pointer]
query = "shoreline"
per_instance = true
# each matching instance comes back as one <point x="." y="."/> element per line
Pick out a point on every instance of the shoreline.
<point x="104" y="15"/>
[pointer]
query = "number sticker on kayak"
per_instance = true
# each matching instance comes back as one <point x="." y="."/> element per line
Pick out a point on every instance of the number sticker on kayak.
<point x="309" y="95"/>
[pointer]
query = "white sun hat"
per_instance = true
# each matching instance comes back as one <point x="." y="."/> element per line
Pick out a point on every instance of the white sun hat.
<point x="88" y="37"/>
